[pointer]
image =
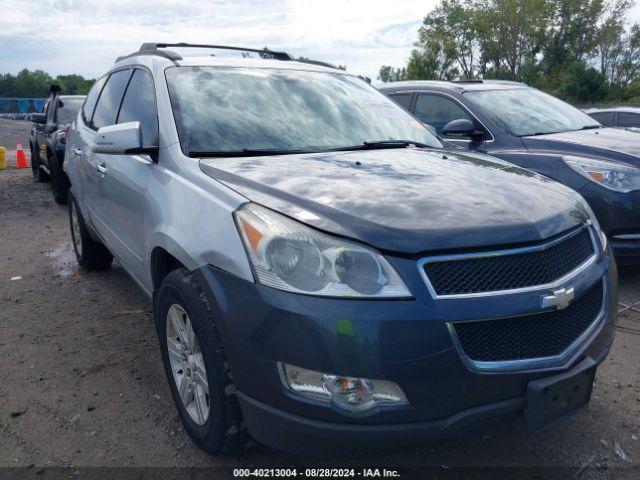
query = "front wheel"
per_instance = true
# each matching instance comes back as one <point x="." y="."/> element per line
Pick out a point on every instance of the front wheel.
<point x="90" y="254"/>
<point x="195" y="366"/>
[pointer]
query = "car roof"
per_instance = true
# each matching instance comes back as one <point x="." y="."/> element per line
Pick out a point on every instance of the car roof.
<point x="612" y="109"/>
<point x="153" y="61"/>
<point x="457" y="86"/>
<point x="71" y="97"/>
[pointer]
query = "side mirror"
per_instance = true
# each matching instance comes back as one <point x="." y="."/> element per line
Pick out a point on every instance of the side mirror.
<point x="40" y="118"/>
<point x="461" y="127"/>
<point x="121" y="139"/>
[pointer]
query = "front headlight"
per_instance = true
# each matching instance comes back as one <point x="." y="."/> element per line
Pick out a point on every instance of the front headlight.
<point x="615" y="176"/>
<point x="288" y="255"/>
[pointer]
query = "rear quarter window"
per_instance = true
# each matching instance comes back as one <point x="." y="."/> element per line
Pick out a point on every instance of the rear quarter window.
<point x="108" y="104"/>
<point x="92" y="98"/>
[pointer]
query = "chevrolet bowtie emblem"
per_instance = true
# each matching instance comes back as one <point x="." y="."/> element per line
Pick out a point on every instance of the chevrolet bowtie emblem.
<point x="560" y="298"/>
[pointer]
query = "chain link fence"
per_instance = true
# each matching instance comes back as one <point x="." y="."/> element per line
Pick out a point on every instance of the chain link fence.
<point x="20" y="108"/>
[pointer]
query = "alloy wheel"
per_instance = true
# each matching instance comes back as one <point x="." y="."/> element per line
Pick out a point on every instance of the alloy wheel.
<point x="187" y="364"/>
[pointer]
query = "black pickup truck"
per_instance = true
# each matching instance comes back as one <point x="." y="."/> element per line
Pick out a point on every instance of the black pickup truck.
<point x="47" y="140"/>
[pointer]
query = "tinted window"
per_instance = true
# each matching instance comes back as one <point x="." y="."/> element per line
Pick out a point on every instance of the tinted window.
<point x="232" y="109"/>
<point x="109" y="101"/>
<point x="605" y="118"/>
<point x="628" y="119"/>
<point x="68" y="109"/>
<point x="437" y="111"/>
<point x="139" y="104"/>
<point x="92" y="98"/>
<point x="527" y="111"/>
<point x="402" y="99"/>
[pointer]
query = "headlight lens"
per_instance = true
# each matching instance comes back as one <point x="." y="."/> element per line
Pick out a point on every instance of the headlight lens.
<point x="352" y="394"/>
<point x="615" y="176"/>
<point x="288" y="255"/>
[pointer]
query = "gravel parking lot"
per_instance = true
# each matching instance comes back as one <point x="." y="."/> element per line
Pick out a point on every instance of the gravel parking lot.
<point x="82" y="385"/>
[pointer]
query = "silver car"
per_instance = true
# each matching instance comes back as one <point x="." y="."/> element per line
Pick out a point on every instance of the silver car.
<point x="325" y="273"/>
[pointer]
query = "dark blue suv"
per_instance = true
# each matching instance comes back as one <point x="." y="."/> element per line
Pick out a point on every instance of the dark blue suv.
<point x="544" y="134"/>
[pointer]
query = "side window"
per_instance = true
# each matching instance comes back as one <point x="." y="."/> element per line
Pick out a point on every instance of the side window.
<point x="90" y="101"/>
<point x="110" y="98"/>
<point x="437" y="111"/>
<point x="628" y="119"/>
<point x="402" y="99"/>
<point x="139" y="104"/>
<point x="605" y="118"/>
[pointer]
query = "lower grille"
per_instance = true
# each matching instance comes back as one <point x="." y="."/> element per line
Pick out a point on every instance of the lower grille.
<point x="530" y="336"/>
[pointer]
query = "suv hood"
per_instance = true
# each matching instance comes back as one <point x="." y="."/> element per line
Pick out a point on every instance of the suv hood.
<point x="609" y="143"/>
<point x="406" y="200"/>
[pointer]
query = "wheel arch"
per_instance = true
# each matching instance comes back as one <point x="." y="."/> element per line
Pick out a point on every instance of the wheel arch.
<point x="165" y="258"/>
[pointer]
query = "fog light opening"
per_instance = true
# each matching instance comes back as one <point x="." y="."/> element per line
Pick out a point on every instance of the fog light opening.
<point x="352" y="394"/>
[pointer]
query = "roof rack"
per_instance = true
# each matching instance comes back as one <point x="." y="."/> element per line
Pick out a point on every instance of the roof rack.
<point x="468" y="80"/>
<point x="159" y="49"/>
<point x="315" y="62"/>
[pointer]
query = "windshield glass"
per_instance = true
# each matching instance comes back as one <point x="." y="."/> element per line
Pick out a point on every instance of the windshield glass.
<point x="69" y="110"/>
<point x="233" y="109"/>
<point x="526" y="111"/>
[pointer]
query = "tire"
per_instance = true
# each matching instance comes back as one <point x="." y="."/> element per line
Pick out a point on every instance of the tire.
<point x="90" y="254"/>
<point x="39" y="175"/>
<point x="222" y="429"/>
<point x="59" y="181"/>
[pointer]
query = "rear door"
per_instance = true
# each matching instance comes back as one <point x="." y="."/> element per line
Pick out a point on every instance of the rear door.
<point x="104" y="114"/>
<point x="124" y="181"/>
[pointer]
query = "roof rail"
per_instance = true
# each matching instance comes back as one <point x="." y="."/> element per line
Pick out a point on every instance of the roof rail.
<point x="316" y="62"/>
<point x="468" y="80"/>
<point x="159" y="49"/>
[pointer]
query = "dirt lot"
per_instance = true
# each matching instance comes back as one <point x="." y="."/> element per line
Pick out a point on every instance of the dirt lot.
<point x="81" y="381"/>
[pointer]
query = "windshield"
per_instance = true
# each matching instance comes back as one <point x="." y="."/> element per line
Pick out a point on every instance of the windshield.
<point x="236" y="109"/>
<point x="69" y="110"/>
<point x="526" y="111"/>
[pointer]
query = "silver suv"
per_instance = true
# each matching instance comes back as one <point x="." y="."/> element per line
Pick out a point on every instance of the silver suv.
<point x="324" y="272"/>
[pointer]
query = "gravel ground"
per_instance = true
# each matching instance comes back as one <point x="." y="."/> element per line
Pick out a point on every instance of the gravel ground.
<point x="82" y="385"/>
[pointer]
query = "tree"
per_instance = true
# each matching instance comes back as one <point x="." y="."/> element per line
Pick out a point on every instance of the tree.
<point x="28" y="84"/>
<point x="582" y="50"/>
<point x="391" y="74"/>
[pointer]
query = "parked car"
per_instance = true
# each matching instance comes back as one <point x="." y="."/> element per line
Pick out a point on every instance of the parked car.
<point x="544" y="134"/>
<point x="47" y="140"/>
<point x="620" y="117"/>
<point x="324" y="273"/>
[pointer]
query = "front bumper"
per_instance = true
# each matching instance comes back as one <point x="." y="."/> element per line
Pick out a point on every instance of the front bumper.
<point x="626" y="248"/>
<point x="405" y="341"/>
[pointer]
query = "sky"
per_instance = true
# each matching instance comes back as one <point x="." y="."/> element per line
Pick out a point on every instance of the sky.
<point x="85" y="36"/>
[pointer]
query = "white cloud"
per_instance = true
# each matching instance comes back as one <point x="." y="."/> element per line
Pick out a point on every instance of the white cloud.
<point x="85" y="36"/>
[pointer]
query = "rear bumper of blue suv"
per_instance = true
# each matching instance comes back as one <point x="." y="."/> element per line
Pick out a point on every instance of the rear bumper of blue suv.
<point x="408" y="342"/>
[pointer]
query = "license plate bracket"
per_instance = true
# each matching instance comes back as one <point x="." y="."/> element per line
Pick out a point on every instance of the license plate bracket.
<point x="553" y="399"/>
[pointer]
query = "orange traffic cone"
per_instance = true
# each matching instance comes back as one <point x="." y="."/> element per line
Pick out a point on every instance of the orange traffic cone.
<point x="21" y="158"/>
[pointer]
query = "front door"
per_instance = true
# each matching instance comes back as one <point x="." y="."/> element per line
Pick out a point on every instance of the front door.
<point x="437" y="110"/>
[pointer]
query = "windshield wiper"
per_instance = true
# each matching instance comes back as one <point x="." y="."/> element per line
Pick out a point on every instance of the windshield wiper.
<point x="372" y="145"/>
<point x="246" y="152"/>
<point x="589" y="127"/>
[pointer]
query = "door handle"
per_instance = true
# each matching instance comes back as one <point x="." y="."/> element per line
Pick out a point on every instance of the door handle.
<point x="77" y="151"/>
<point x="102" y="169"/>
